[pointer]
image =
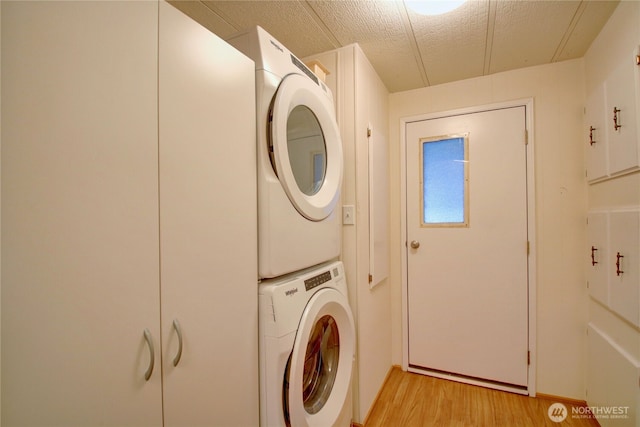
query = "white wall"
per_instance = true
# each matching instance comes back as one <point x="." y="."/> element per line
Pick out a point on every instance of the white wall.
<point x="560" y="188"/>
<point x="374" y="313"/>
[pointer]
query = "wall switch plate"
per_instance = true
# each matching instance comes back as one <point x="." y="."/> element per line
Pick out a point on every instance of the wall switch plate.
<point x="348" y="215"/>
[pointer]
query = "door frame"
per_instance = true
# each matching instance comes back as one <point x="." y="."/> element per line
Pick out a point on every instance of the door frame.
<point x="531" y="223"/>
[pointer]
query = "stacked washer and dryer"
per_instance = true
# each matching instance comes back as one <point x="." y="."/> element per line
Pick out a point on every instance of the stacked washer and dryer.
<point x="307" y="334"/>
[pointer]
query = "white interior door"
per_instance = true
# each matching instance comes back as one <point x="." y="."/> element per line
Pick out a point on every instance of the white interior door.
<point x="467" y="246"/>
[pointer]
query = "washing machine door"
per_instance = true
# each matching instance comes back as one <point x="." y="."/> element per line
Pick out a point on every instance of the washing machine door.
<point x="305" y="146"/>
<point x="319" y="374"/>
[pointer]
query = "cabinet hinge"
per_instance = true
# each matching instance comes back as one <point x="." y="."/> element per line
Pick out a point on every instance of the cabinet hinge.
<point x="528" y="358"/>
<point x="370" y="278"/>
<point x="528" y="248"/>
<point x="526" y="137"/>
<point x="369" y="132"/>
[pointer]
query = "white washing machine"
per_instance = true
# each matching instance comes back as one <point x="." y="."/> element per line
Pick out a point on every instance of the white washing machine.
<point x="299" y="159"/>
<point x="307" y="344"/>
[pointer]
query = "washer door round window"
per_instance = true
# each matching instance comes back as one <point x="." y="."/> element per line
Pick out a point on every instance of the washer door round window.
<point x="320" y="364"/>
<point x="318" y="373"/>
<point x="305" y="146"/>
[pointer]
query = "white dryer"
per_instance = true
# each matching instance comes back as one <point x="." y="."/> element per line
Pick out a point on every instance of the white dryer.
<point x="299" y="159"/>
<point x="307" y="344"/>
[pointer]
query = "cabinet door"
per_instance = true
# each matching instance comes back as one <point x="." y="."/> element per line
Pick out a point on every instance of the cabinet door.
<point x="624" y="256"/>
<point x="621" y="109"/>
<point x="596" y="135"/>
<point x="612" y="379"/>
<point x="79" y="214"/>
<point x="208" y="219"/>
<point x="598" y="256"/>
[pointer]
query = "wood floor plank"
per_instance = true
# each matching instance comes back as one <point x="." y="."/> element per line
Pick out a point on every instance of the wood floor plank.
<point x="414" y="400"/>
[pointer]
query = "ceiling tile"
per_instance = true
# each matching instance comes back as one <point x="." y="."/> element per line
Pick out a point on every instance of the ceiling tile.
<point x="205" y="16"/>
<point x="595" y="15"/>
<point x="288" y="21"/>
<point x="452" y="45"/>
<point x="376" y="25"/>
<point x="528" y="33"/>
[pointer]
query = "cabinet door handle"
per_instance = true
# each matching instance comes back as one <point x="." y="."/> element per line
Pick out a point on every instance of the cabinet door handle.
<point x="616" y="126"/>
<point x="149" y="340"/>
<point x="591" y="140"/>
<point x="593" y="255"/>
<point x="176" y="326"/>
<point x="618" y="271"/>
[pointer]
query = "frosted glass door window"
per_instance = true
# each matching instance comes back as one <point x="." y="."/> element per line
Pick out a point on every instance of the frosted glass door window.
<point x="444" y="181"/>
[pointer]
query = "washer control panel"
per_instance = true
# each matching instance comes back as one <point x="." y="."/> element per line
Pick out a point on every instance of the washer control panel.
<point x="318" y="280"/>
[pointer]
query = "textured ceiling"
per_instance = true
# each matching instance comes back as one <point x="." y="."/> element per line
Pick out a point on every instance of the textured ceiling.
<point x="410" y="51"/>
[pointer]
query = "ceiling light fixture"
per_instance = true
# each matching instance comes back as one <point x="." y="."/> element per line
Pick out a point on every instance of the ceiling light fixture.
<point x="433" y="7"/>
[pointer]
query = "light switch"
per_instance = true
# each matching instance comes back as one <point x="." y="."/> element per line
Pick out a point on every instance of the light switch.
<point x="348" y="215"/>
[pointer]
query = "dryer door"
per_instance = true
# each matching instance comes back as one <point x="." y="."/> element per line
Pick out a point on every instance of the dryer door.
<point x="319" y="372"/>
<point x="306" y="149"/>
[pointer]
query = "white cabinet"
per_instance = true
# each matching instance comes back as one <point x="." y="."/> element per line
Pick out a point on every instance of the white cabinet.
<point x="613" y="386"/>
<point x="624" y="261"/>
<point x="598" y="240"/>
<point x="614" y="260"/>
<point x="208" y="227"/>
<point x="597" y="160"/>
<point x="80" y="279"/>
<point x="123" y="125"/>
<point x="622" y="135"/>
<point x="611" y="122"/>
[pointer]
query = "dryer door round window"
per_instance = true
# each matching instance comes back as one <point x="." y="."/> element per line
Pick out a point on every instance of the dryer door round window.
<point x="306" y="147"/>
<point x="319" y="371"/>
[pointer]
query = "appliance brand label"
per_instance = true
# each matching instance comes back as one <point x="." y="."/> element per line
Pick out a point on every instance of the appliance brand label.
<point x="291" y="292"/>
<point x="276" y="46"/>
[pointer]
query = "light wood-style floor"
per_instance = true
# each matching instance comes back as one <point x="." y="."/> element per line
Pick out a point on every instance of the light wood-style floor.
<point x="408" y="400"/>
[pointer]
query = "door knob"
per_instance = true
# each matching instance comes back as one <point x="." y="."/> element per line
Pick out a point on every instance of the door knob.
<point x="415" y="244"/>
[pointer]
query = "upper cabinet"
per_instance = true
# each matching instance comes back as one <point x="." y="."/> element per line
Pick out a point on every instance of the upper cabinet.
<point x="595" y="123"/>
<point x="612" y="122"/>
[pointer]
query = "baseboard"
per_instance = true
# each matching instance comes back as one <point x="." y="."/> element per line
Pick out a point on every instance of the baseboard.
<point x="560" y="399"/>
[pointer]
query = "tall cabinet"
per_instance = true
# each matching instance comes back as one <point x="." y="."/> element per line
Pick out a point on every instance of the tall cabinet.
<point x="612" y="250"/>
<point x="128" y="219"/>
